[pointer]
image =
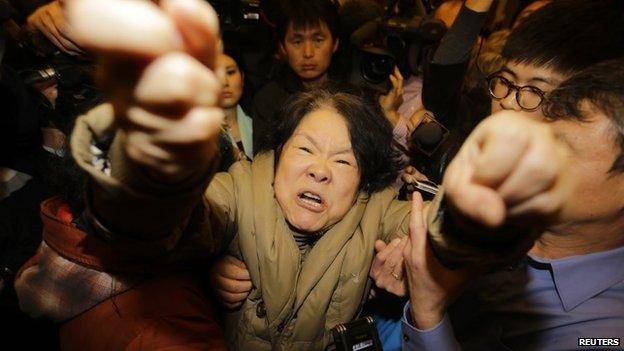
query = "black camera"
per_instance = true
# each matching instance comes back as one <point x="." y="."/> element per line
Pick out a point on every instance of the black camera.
<point x="371" y="67"/>
<point x="358" y="335"/>
<point x="399" y="37"/>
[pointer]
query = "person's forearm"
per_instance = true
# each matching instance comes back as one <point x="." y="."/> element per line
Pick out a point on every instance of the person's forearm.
<point x="425" y="319"/>
<point x="124" y="201"/>
<point x="457" y="43"/>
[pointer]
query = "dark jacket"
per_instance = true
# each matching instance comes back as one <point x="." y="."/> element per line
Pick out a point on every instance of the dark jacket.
<point x="268" y="102"/>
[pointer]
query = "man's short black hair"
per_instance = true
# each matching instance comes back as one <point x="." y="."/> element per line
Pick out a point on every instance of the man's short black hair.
<point x="369" y="130"/>
<point x="569" y="35"/>
<point x="602" y="85"/>
<point x="308" y="14"/>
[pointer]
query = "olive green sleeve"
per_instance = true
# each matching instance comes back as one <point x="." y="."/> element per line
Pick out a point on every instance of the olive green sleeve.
<point x="395" y="223"/>
<point x="124" y="205"/>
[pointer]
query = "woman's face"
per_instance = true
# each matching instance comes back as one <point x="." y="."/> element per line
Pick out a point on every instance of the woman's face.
<point x="231" y="82"/>
<point x="317" y="177"/>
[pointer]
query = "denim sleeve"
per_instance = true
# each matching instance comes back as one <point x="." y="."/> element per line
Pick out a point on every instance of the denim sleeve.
<point x="438" y="338"/>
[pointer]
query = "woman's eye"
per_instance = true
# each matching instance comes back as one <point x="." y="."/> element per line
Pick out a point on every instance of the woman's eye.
<point x="303" y="148"/>
<point x="344" y="162"/>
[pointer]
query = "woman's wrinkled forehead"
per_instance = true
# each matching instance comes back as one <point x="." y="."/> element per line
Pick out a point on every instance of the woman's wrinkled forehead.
<point x="323" y="121"/>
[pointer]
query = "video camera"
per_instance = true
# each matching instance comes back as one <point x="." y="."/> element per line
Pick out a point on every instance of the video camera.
<point x="398" y="37"/>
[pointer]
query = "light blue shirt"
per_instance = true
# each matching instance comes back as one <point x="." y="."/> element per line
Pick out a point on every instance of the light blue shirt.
<point x="541" y="304"/>
<point x="245" y="127"/>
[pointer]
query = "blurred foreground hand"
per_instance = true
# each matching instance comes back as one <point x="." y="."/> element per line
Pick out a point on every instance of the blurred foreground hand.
<point x="157" y="68"/>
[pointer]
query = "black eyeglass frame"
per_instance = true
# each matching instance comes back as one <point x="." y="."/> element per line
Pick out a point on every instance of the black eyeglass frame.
<point x="511" y="86"/>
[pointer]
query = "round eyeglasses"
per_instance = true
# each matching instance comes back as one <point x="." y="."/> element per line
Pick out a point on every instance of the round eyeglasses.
<point x="528" y="97"/>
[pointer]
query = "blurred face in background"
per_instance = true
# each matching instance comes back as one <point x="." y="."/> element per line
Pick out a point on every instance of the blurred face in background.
<point x="309" y="51"/>
<point x="231" y="82"/>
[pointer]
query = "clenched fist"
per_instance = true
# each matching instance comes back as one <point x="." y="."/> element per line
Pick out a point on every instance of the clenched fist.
<point x="511" y="168"/>
<point x="157" y="67"/>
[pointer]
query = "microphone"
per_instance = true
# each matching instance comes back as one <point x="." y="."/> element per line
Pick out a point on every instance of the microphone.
<point x="428" y="134"/>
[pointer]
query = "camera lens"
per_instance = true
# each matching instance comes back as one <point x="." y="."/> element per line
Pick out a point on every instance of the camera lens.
<point x="376" y="68"/>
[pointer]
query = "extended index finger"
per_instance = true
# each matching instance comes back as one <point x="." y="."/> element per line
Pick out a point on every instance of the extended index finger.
<point x="417" y="224"/>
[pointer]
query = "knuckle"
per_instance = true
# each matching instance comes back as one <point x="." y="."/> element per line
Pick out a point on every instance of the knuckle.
<point x="172" y="77"/>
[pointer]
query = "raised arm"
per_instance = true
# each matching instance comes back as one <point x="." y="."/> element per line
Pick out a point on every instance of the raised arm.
<point x="157" y="69"/>
<point x="508" y="181"/>
<point x="444" y="75"/>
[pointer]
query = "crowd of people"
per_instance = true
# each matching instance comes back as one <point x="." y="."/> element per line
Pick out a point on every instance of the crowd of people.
<point x="214" y="194"/>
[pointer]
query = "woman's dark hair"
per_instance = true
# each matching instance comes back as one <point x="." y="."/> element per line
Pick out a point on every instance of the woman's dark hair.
<point x="370" y="132"/>
<point x="233" y="50"/>
<point x="235" y="53"/>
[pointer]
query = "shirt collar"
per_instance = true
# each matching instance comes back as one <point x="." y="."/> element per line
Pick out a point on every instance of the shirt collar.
<point x="579" y="278"/>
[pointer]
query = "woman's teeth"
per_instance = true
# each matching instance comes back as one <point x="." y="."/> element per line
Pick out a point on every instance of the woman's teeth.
<point x="311" y="198"/>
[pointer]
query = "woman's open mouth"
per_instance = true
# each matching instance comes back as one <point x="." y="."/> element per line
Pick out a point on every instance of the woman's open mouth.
<point x="311" y="201"/>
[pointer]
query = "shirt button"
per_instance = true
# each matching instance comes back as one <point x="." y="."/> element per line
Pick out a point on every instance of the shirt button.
<point x="405" y="337"/>
<point x="260" y="310"/>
